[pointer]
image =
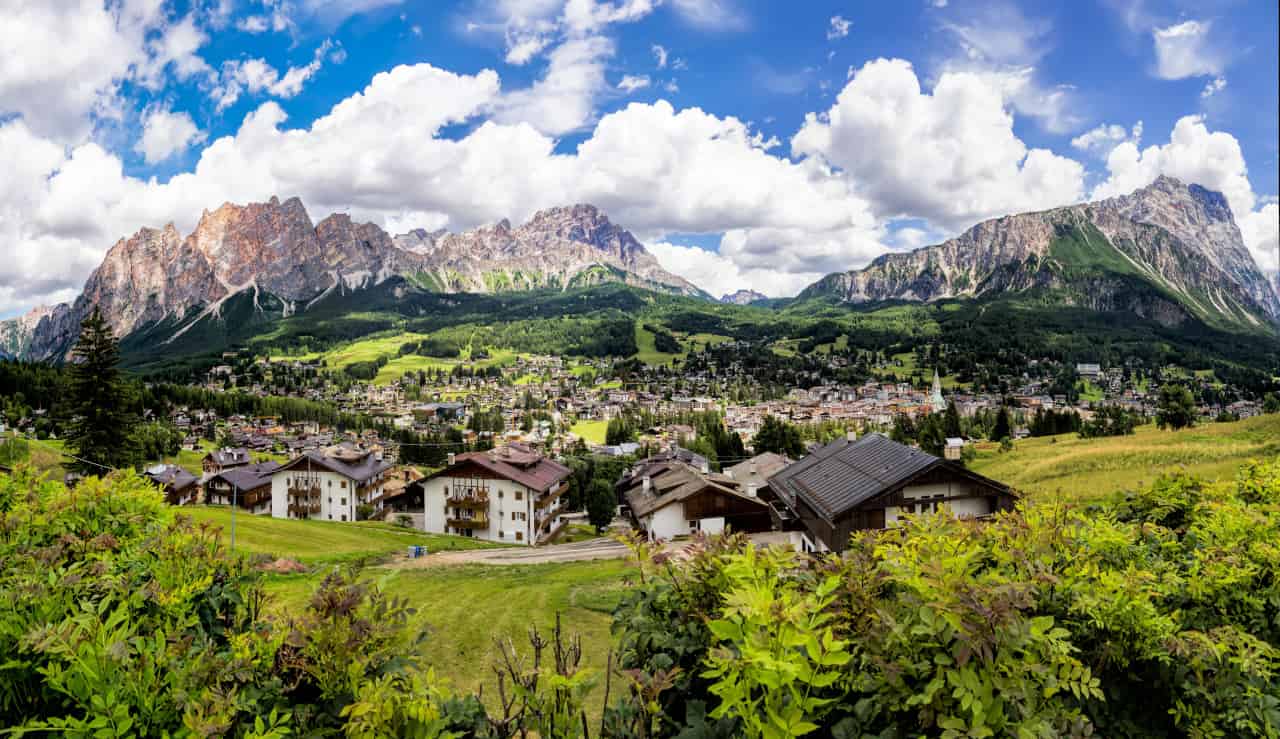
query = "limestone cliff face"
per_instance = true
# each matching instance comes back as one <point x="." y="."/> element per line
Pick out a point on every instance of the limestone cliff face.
<point x="16" y="333"/>
<point x="274" y="248"/>
<point x="558" y="247"/>
<point x="1182" y="239"/>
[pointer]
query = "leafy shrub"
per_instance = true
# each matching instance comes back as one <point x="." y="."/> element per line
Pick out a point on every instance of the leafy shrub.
<point x="1158" y="615"/>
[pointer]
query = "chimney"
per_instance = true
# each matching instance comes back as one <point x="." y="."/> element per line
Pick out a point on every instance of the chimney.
<point x="706" y="468"/>
<point x="852" y="436"/>
<point x="751" y="490"/>
<point x="451" y="459"/>
<point x="751" y="467"/>
<point x="646" y="482"/>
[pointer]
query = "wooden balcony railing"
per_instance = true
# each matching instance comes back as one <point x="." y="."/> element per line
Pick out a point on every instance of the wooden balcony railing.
<point x="469" y="499"/>
<point x="476" y="522"/>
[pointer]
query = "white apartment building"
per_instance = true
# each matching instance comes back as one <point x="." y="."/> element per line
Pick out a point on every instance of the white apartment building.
<point x="327" y="485"/>
<point x="511" y="494"/>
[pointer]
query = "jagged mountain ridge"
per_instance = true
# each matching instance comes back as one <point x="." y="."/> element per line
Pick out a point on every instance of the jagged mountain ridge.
<point x="1179" y="243"/>
<point x="742" y="297"/>
<point x="273" y="251"/>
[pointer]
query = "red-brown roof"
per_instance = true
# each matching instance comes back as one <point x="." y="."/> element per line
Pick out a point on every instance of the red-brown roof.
<point x="530" y="469"/>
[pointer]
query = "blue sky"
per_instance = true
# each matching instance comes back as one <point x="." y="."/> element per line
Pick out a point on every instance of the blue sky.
<point x="749" y="144"/>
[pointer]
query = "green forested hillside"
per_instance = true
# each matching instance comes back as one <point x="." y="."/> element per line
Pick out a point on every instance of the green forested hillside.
<point x="613" y="319"/>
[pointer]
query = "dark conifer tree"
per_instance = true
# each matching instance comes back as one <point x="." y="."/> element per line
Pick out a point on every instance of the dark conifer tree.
<point x="1004" y="428"/>
<point x="103" y="420"/>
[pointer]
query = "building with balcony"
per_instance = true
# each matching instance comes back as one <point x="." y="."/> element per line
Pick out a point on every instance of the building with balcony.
<point x="247" y="486"/>
<point x="511" y="494"/>
<point x="329" y="485"/>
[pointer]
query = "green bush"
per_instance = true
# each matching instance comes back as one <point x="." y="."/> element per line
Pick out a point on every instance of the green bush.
<point x="1157" y="615"/>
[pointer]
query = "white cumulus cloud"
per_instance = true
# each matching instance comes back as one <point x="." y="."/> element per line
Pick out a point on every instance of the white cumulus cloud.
<point x="166" y="133"/>
<point x="632" y="82"/>
<point x="1186" y="50"/>
<point x="949" y="156"/>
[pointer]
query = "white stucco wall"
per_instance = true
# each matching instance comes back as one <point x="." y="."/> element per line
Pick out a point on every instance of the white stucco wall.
<point x="962" y="507"/>
<point x="668" y="522"/>
<point x="337" y="494"/>
<point x="503" y="526"/>
<point x="711" y="525"/>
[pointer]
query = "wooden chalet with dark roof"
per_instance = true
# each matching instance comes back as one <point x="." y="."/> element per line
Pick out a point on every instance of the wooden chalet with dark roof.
<point x="247" y="486"/>
<point x="675" y="494"/>
<point x="180" y="487"/>
<point x="871" y="483"/>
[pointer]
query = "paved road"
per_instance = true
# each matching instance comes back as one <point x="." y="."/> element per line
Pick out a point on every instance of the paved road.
<point x="577" y="552"/>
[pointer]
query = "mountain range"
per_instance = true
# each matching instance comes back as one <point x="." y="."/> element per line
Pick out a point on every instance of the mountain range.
<point x="1169" y="252"/>
<point x="273" y="252"/>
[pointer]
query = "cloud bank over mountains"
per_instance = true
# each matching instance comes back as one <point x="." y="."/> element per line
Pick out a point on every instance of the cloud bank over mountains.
<point x="895" y="159"/>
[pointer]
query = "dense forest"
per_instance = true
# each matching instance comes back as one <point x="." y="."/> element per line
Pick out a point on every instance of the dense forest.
<point x="1154" y="614"/>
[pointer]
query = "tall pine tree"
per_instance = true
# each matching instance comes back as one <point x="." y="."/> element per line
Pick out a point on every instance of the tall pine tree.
<point x="1004" y="427"/>
<point x="103" y="421"/>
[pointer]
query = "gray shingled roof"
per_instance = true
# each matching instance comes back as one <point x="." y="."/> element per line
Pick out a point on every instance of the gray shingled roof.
<point x="361" y="471"/>
<point x="248" y="477"/>
<point x="843" y="474"/>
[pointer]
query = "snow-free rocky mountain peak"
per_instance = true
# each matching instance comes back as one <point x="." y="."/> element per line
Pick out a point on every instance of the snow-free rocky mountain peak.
<point x="742" y="297"/>
<point x="275" y="253"/>
<point x="1169" y="252"/>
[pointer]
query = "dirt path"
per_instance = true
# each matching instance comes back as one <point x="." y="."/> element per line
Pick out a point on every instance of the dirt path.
<point x="576" y="552"/>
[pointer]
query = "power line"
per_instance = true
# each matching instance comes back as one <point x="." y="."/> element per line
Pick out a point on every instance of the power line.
<point x="67" y="454"/>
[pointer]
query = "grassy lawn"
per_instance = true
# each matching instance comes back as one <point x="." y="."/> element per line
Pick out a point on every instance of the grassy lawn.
<point x="1090" y="468"/>
<point x="45" y="456"/>
<point x="699" y="342"/>
<point x="785" y="347"/>
<point x="908" y="368"/>
<point x="649" y="353"/>
<point x="591" y="431"/>
<point x="395" y="368"/>
<point x="1090" y="392"/>
<point x="323" y="541"/>
<point x="467" y="607"/>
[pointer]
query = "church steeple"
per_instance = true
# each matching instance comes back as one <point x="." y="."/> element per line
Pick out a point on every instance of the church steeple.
<point x="936" y="401"/>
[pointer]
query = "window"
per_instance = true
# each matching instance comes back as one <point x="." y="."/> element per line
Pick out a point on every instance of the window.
<point x="344" y="501"/>
<point x="343" y="484"/>
<point x="344" y="517"/>
<point x="514" y="517"/>
<point x="519" y="536"/>
<point x="693" y="525"/>
<point x="519" y="495"/>
<point x="501" y="534"/>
